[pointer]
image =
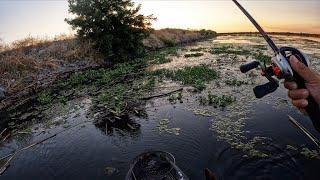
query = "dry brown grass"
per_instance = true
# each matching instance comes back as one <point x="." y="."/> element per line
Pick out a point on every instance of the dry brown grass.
<point x="29" y="59"/>
<point x="163" y="37"/>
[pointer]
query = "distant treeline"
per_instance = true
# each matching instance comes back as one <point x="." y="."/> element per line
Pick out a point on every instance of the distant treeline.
<point x="272" y="33"/>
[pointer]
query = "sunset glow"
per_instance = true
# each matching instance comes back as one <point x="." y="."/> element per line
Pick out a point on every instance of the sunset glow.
<point x="19" y="19"/>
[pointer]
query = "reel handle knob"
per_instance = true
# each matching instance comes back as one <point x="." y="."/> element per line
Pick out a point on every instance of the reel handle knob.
<point x="265" y="89"/>
<point x="249" y="66"/>
<point x="313" y="108"/>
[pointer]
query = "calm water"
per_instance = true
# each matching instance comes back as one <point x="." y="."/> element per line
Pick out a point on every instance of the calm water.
<point x="84" y="151"/>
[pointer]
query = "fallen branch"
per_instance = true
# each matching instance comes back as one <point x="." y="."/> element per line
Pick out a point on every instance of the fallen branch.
<point x="3" y="131"/>
<point x="6" y="137"/>
<point x="162" y="95"/>
<point x="7" y="163"/>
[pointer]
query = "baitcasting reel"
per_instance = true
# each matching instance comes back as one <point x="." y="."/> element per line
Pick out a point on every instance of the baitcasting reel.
<point x="281" y="68"/>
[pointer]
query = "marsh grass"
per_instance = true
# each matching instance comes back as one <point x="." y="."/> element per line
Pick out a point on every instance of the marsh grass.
<point x="30" y="57"/>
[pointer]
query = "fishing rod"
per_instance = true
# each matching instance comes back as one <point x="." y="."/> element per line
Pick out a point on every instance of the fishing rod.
<point x="281" y="69"/>
<point x="305" y="131"/>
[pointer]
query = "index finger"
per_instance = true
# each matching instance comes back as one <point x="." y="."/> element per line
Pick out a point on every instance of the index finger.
<point x="290" y="85"/>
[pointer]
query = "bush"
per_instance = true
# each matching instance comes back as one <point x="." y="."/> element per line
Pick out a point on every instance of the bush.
<point x="115" y="26"/>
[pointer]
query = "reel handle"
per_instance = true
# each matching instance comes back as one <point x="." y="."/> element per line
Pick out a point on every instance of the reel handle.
<point x="265" y="89"/>
<point x="313" y="108"/>
<point x="249" y="66"/>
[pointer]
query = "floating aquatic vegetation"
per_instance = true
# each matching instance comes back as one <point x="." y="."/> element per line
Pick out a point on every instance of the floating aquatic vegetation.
<point x="195" y="76"/>
<point x="263" y="58"/>
<point x="229" y="129"/>
<point x="235" y="82"/>
<point x="201" y="112"/>
<point x="110" y="171"/>
<point x="193" y="55"/>
<point x="304" y="151"/>
<point x="115" y="99"/>
<point x="217" y="101"/>
<point x="229" y="50"/>
<point x="197" y="49"/>
<point x="163" y="126"/>
<point x="162" y="57"/>
<point x="312" y="154"/>
<point x="173" y="98"/>
<point x="290" y="147"/>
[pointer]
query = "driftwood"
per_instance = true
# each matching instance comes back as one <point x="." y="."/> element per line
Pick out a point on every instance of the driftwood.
<point x="162" y="95"/>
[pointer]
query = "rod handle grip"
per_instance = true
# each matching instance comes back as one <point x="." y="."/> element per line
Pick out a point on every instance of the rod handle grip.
<point x="265" y="89"/>
<point x="249" y="66"/>
<point x="313" y="108"/>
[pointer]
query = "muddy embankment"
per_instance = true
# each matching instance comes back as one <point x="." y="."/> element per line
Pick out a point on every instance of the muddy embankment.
<point x="30" y="66"/>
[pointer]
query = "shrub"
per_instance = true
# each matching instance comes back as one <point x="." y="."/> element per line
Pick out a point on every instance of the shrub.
<point x="115" y="26"/>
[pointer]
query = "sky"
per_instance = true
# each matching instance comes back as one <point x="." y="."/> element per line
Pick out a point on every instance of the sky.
<point x="45" y="18"/>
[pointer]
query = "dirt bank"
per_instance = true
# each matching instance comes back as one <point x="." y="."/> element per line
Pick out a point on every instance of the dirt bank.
<point x="30" y="65"/>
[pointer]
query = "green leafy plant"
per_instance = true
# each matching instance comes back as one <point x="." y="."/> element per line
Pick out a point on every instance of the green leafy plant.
<point x="115" y="99"/>
<point x="195" y="76"/>
<point x="115" y="26"/>
<point x="45" y="98"/>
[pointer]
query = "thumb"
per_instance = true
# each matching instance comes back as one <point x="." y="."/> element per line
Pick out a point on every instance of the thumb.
<point x="302" y="69"/>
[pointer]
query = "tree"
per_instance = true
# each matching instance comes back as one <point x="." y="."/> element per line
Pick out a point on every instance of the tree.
<point x="115" y="26"/>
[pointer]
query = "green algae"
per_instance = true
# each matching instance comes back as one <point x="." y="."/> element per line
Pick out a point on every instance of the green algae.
<point x="163" y="127"/>
<point x="217" y="101"/>
<point x="195" y="76"/>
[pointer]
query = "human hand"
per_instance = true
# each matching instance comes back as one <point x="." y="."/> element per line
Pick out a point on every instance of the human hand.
<point x="299" y="96"/>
